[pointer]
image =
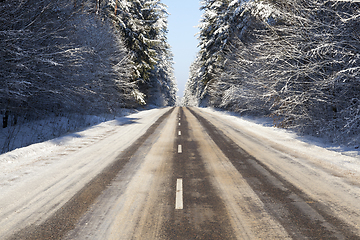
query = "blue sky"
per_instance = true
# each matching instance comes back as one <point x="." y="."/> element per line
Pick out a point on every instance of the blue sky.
<point x="184" y="17"/>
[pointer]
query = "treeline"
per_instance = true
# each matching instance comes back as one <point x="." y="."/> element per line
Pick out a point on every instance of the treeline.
<point x="297" y="61"/>
<point x="83" y="56"/>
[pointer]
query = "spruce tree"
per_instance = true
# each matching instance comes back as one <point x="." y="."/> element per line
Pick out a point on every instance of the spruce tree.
<point x="214" y="34"/>
<point x="143" y="24"/>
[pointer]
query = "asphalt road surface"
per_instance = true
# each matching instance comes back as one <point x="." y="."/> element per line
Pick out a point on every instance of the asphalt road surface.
<point x="193" y="176"/>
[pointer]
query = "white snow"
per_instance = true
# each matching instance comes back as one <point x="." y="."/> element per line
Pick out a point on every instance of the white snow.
<point x="48" y="127"/>
<point x="20" y="162"/>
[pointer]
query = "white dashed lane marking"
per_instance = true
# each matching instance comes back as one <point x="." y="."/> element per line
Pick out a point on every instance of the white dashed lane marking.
<point x="179" y="194"/>
<point x="179" y="185"/>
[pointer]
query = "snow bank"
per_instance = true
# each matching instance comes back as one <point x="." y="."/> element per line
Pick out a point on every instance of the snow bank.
<point x="14" y="165"/>
<point x="46" y="128"/>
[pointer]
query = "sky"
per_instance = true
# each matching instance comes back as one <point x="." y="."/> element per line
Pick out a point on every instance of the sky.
<point x="183" y="19"/>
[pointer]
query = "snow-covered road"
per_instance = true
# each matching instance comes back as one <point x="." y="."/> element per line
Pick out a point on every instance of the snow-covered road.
<point x="37" y="181"/>
<point x="328" y="178"/>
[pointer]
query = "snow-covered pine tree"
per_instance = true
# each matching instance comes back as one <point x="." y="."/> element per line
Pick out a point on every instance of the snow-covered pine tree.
<point x="163" y="88"/>
<point x="194" y="87"/>
<point x="143" y="24"/>
<point x="213" y="37"/>
<point x="222" y="22"/>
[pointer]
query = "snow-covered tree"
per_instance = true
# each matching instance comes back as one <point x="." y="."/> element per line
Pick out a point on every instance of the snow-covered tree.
<point x="143" y="24"/>
<point x="60" y="57"/>
<point x="163" y="90"/>
<point x="296" y="61"/>
<point x="194" y="87"/>
<point x="69" y="56"/>
<point x="215" y="29"/>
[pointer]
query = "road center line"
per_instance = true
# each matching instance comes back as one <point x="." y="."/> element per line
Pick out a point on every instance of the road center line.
<point x="179" y="149"/>
<point x="179" y="194"/>
<point x="179" y="133"/>
<point x="179" y="124"/>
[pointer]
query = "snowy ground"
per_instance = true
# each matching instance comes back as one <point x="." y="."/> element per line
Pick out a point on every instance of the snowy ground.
<point x="46" y="128"/>
<point x="27" y="159"/>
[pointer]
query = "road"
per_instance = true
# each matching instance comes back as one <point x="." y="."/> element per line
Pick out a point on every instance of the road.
<point x="192" y="175"/>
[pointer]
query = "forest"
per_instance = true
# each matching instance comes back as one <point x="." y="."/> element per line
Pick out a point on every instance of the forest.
<point x="297" y="62"/>
<point x="82" y="56"/>
<point x="70" y="64"/>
